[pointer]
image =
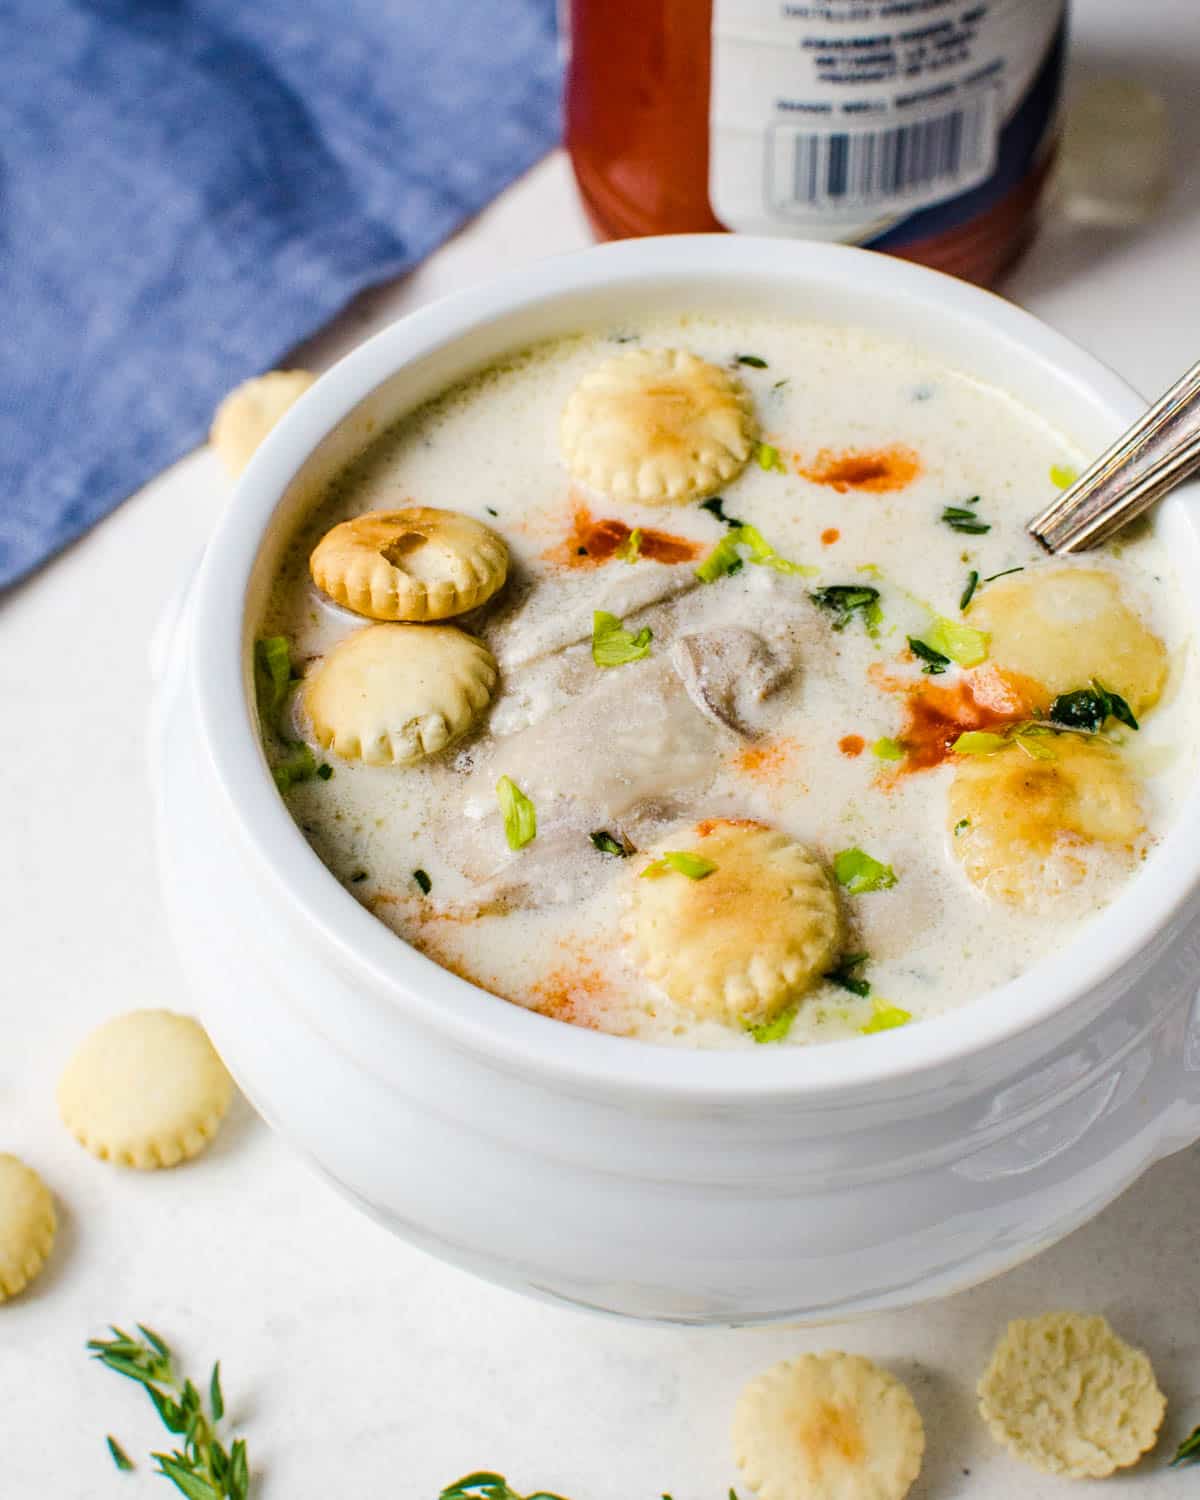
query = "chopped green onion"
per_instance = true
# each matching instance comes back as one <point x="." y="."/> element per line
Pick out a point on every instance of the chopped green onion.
<point x="961" y="643"/>
<point x="272" y="675"/>
<point x="843" y="976"/>
<point x="887" y="749"/>
<point x="859" y="872"/>
<point x="969" y="592"/>
<point x="769" y="457"/>
<point x="613" y="645"/>
<point x="936" y="662"/>
<point x="752" y="360"/>
<point x="694" y="866"/>
<point x="716" y="507"/>
<point x="518" y="812"/>
<point x="961" y="518"/>
<point x="606" y="844"/>
<point x="886" y="1018"/>
<point x="631" y="548"/>
<point x="725" y="558"/>
<point x="298" y="765"/>
<point x="1024" y="740"/>
<point x="844" y="600"/>
<point x="775" y="1029"/>
<point x="1063" y="475"/>
<point x="423" y="881"/>
<point x="1090" y="709"/>
<point x="979" y="742"/>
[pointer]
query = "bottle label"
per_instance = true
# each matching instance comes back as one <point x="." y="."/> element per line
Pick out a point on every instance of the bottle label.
<point x="877" y="121"/>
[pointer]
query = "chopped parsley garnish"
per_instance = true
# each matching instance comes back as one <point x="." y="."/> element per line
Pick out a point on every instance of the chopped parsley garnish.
<point x="298" y="765"/>
<point x="694" y="866"/>
<point x="752" y="360"/>
<point x="887" y="749"/>
<point x="725" y="558"/>
<point x="843" y="976"/>
<point x="991" y="578"/>
<point x="859" y="872"/>
<point x="1063" y="475"/>
<point x="272" y="675"/>
<point x="1188" y="1451"/>
<point x="776" y="1028"/>
<point x="631" y="548"/>
<point x="716" y="507"/>
<point x="845" y="600"/>
<point x="423" y="881"/>
<point x="613" y="645"/>
<point x="118" y="1454"/>
<point x="961" y="826"/>
<point x="769" y="457"/>
<point x="607" y="844"/>
<point x="518" y="812"/>
<point x="936" y="662"/>
<point x="969" y="592"/>
<point x="963" y="518"/>
<point x="960" y="643"/>
<point x="325" y="771"/>
<point x="886" y="1018"/>
<point x="1090" y="709"/>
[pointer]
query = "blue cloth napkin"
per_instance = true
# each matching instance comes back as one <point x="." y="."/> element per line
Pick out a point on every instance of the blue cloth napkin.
<point x="188" y="188"/>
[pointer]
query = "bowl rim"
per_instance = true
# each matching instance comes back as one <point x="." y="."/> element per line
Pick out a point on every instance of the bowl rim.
<point x="364" y="947"/>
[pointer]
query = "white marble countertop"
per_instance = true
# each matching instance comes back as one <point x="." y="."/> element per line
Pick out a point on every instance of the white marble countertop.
<point x="355" y="1365"/>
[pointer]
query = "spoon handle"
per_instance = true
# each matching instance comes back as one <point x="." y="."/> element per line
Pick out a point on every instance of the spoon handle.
<point x="1140" y="467"/>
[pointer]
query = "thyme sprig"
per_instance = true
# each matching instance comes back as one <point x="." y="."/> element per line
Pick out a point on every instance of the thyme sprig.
<point x="202" y="1468"/>
<point x="1188" y="1451"/>
<point x="485" y="1486"/>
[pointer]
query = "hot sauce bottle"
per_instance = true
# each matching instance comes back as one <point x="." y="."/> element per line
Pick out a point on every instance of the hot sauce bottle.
<point x="921" y="127"/>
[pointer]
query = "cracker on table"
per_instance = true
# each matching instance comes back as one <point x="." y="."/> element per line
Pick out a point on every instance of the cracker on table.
<point x="249" y="412"/>
<point x="27" y="1225"/>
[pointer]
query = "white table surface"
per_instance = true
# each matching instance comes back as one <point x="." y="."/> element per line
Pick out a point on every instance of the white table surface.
<point x="355" y="1365"/>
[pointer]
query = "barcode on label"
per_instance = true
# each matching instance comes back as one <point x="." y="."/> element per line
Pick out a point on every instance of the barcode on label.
<point x="918" y="162"/>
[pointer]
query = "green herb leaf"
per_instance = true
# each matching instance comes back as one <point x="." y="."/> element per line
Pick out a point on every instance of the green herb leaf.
<point x="991" y="578"/>
<point x="969" y="592"/>
<point x="962" y="518"/>
<point x="177" y="1468"/>
<point x="607" y="844"/>
<point x="769" y="458"/>
<point x="358" y="877"/>
<point x="845" y="600"/>
<point x="1090" y="709"/>
<point x="775" y="1029"/>
<point x="518" y="812"/>
<point x="1188" y="1451"/>
<point x="886" y="1018"/>
<point x="752" y="360"/>
<point x="725" y="557"/>
<point x="716" y="507"/>
<point x="1063" y="475"/>
<point x="156" y="1342"/>
<point x="888" y="749"/>
<point x="979" y="742"/>
<point x="423" y="881"/>
<point x="960" y="643"/>
<point x="631" y="548"/>
<point x="961" y="826"/>
<point x="488" y="1487"/>
<point x="694" y="866"/>
<point x="844" y="977"/>
<point x="859" y="872"/>
<point x="239" y="1471"/>
<point x="299" y="764"/>
<point x="936" y="662"/>
<point x="119" y="1456"/>
<point x="613" y="645"/>
<point x="325" y="771"/>
<point x="272" y="675"/>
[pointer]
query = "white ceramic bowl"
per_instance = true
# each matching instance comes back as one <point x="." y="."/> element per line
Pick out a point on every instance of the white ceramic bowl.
<point x="699" y="1187"/>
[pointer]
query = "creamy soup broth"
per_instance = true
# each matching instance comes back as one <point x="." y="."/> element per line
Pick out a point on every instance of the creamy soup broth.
<point x="868" y="444"/>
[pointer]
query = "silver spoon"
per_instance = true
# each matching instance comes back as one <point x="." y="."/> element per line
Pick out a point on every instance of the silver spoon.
<point x="1158" y="452"/>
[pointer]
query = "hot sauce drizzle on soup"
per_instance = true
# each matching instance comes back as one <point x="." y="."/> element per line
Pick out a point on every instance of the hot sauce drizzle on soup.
<point x="878" y="471"/>
<point x="591" y="542"/>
